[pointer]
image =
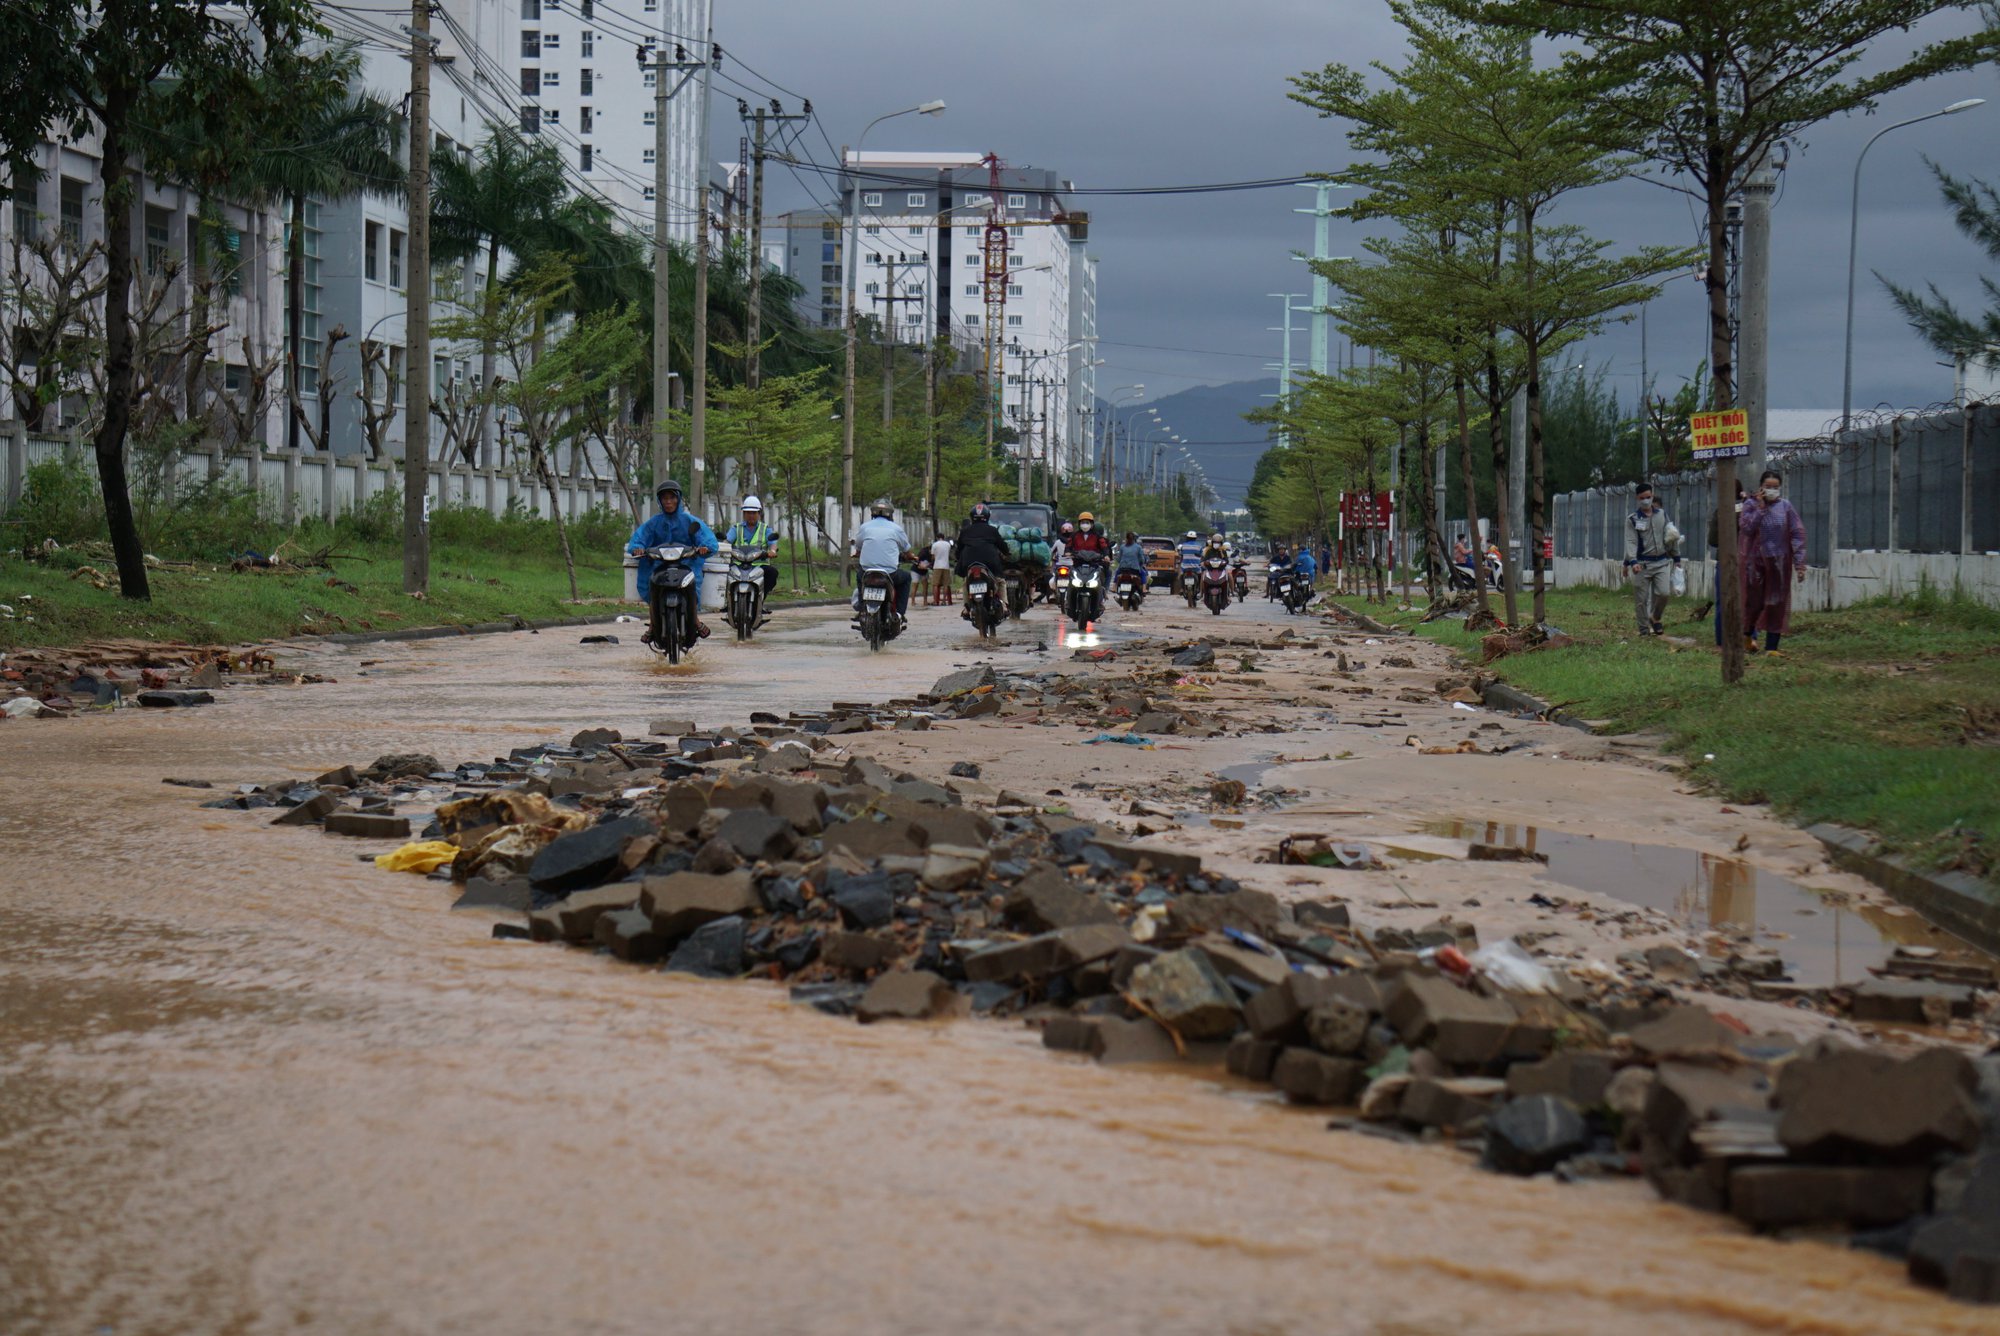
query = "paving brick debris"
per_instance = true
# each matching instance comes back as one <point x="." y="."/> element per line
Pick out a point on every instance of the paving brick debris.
<point x="774" y="851"/>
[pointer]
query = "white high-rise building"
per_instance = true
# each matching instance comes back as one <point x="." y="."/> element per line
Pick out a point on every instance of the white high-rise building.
<point x="917" y="222"/>
<point x="581" y="85"/>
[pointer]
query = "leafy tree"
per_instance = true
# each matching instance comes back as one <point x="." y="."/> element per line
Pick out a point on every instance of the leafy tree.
<point x="108" y="66"/>
<point x="1975" y="208"/>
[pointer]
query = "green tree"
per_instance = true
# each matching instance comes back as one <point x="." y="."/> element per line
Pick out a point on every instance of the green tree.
<point x="110" y="65"/>
<point x="1974" y="338"/>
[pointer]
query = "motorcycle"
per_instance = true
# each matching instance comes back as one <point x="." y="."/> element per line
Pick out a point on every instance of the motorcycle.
<point x="1081" y="584"/>
<point x="984" y="601"/>
<point x="1130" y="588"/>
<point x="744" y="606"/>
<point x="877" y="619"/>
<point x="672" y="598"/>
<point x="1292" y="591"/>
<point x="1215" y="584"/>
<point x="1017" y="592"/>
<point x="1462" y="578"/>
<point x="1240" y="572"/>
<point x="1191" y="585"/>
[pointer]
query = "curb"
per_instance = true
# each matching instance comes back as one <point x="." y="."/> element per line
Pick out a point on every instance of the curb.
<point x="1959" y="904"/>
<point x="519" y="624"/>
<point x="1501" y="696"/>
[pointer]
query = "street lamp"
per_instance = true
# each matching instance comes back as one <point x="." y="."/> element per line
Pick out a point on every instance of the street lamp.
<point x="931" y="108"/>
<point x="1853" y="229"/>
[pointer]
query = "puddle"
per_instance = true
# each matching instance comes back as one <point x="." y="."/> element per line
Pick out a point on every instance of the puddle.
<point x="1822" y="940"/>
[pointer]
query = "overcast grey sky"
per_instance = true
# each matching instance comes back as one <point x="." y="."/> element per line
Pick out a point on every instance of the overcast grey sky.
<point x="1170" y="92"/>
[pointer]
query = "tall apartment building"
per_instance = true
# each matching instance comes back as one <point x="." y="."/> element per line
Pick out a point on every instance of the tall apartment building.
<point x="581" y="85"/>
<point x="917" y="222"/>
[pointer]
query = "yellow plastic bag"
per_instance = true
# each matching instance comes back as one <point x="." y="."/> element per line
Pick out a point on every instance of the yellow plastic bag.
<point x="418" y="856"/>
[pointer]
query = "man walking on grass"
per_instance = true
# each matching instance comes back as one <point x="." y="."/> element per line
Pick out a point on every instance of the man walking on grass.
<point x="1652" y="552"/>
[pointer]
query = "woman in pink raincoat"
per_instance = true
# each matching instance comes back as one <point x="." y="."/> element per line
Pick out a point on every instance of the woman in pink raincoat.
<point x="1771" y="543"/>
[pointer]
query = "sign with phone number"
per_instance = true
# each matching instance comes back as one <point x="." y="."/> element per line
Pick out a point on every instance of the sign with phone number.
<point x="1724" y="435"/>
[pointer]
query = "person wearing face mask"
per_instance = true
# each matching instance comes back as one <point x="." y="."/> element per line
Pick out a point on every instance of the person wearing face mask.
<point x="1651" y="543"/>
<point x="1771" y="544"/>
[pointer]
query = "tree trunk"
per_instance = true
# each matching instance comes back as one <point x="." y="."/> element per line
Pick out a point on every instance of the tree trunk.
<point x="562" y="524"/>
<point x="1496" y="413"/>
<point x="109" y="443"/>
<point x="1728" y="587"/>
<point x="487" y="356"/>
<point x="1427" y="507"/>
<point x="1536" y="520"/>
<point x="295" y="293"/>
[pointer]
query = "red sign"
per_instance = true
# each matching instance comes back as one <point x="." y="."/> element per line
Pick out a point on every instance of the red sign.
<point x="1366" y="510"/>
<point x="1548" y="549"/>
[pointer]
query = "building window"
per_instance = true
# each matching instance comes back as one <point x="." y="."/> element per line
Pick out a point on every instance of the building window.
<point x="1018" y="233"/>
<point x="531" y="120"/>
<point x="1017" y="201"/>
<point x="531" y="11"/>
<point x="973" y="233"/>
<point x="589" y="118"/>
<point x="912" y="317"/>
<point x="649" y="192"/>
<point x="586" y="81"/>
<point x="531" y="44"/>
<point x="872" y="200"/>
<point x="978" y="201"/>
<point x="27" y="212"/>
<point x="1013" y="258"/>
<point x="647" y="117"/>
<point x="531" y="82"/>
<point x="585" y="159"/>
<point x="972" y="289"/>
<point x="872" y="230"/>
<point x="652" y="6"/>
<point x="395" y="259"/>
<point x="872" y="288"/>
<point x="651" y="78"/>
<point x="1014" y="290"/>
<point x="973" y="321"/>
<point x="828" y="273"/>
<point x="589" y="8"/>
<point x="551" y="79"/>
<point x="552" y="115"/>
<point x="1013" y="322"/>
<point x="71" y="219"/>
<point x="915" y="231"/>
<point x="916" y="199"/>
<point x="309" y="308"/>
<point x="371" y="246"/>
<point x="589" y="40"/>
<point x="159" y="245"/>
<point x="972" y="259"/>
<point x="828" y="251"/>
<point x="648" y="155"/>
<point x="551" y="41"/>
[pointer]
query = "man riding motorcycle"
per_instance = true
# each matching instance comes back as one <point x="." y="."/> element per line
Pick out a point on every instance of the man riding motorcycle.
<point x="880" y="545"/>
<point x="1089" y="538"/>
<point x="1281" y="564"/>
<point x="1304" y="568"/>
<point x="672" y="527"/>
<point x="979" y="544"/>
<point x="754" y="545"/>
<point x="1189" y="552"/>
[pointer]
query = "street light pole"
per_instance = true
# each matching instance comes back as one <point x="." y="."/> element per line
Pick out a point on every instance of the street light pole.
<point x="853" y="261"/>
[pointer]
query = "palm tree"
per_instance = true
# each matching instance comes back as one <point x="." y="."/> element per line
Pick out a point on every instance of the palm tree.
<point x="336" y="142"/>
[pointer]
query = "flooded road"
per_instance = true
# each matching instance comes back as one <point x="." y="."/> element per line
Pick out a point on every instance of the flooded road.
<point x="250" y="1084"/>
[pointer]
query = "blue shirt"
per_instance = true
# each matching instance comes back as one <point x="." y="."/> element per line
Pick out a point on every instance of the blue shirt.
<point x="881" y="543"/>
<point x="1131" y="556"/>
<point x="1191" y="550"/>
<point x="664" y="530"/>
<point x="1303" y="567"/>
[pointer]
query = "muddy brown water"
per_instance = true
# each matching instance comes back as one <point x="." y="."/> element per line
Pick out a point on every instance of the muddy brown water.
<point x="1824" y="937"/>
<point x="250" y="1084"/>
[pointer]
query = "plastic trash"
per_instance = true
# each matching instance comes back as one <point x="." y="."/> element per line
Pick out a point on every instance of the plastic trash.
<point x="1680" y="581"/>
<point x="418" y="856"/>
<point x="1128" y="739"/>
<point x="1461" y="705"/>
<point x="23" y="707"/>
<point x="1506" y="965"/>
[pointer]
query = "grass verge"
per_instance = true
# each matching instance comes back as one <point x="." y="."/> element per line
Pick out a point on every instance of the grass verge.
<point x="1884" y="716"/>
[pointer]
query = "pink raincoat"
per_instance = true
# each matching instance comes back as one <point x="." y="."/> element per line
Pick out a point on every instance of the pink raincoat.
<point x="1771" y="544"/>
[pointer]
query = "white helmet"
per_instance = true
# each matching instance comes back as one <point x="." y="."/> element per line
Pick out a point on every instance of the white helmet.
<point x="752" y="503"/>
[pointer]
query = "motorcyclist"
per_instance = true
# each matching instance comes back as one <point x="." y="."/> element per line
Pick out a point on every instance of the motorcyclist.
<point x="672" y="527"/>
<point x="1304" y="568"/>
<point x="1188" y="551"/>
<point x="1281" y="562"/>
<point x="1216" y="548"/>
<point x="881" y="545"/>
<point x="979" y="544"/>
<point x="1132" y="555"/>
<point x="1089" y="538"/>
<point x="754" y="545"/>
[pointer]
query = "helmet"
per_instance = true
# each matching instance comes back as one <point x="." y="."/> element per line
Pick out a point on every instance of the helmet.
<point x="752" y="503"/>
<point x="881" y="506"/>
<point x="1191" y="536"/>
<point x="981" y="511"/>
<point x="1086" y="518"/>
<point x="1067" y="527"/>
<point x="1215" y="538"/>
<point x="668" y="486"/>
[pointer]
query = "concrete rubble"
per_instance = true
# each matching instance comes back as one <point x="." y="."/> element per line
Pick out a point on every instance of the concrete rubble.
<point x="770" y="851"/>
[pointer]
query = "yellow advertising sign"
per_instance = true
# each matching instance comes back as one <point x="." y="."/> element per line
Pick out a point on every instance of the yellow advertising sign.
<point x="1724" y="435"/>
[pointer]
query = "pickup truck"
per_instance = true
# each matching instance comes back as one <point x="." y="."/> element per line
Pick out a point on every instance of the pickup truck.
<point x="1162" y="560"/>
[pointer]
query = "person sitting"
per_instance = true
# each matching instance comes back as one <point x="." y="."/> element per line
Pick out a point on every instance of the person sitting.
<point x="672" y="527"/>
<point x="754" y="545"/>
<point x="1132" y="554"/>
<point x="881" y="545"/>
<point x="1089" y="538"/>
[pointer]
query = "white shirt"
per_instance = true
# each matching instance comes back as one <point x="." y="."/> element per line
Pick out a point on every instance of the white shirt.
<point x="941" y="554"/>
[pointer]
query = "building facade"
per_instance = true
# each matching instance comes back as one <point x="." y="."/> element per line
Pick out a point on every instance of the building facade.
<point x="916" y="267"/>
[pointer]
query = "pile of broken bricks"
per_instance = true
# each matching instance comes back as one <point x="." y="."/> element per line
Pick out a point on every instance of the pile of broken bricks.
<point x="767" y="852"/>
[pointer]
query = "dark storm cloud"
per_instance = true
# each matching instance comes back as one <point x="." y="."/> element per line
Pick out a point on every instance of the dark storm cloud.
<point x="1159" y="92"/>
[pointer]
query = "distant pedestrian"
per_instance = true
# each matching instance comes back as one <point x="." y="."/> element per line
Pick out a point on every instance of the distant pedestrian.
<point x="941" y="570"/>
<point x="1771" y="544"/>
<point x="1652" y="554"/>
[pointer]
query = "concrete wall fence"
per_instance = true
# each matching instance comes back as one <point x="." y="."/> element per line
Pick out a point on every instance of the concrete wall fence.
<point x="1916" y="500"/>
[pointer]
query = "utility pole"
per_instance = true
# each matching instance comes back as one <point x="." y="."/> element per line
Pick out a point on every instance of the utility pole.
<point x="698" y="427"/>
<point x="930" y="432"/>
<point x="663" y="96"/>
<point x="1517" y="490"/>
<point x="1322" y="290"/>
<point x="754" y="369"/>
<point x="888" y="301"/>
<point x="417" y="319"/>
<point x="1753" y="341"/>
<point x="1645" y="400"/>
<point x="1284" y="365"/>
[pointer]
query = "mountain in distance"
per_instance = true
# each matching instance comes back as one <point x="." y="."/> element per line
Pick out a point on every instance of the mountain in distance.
<point x="1210" y="419"/>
